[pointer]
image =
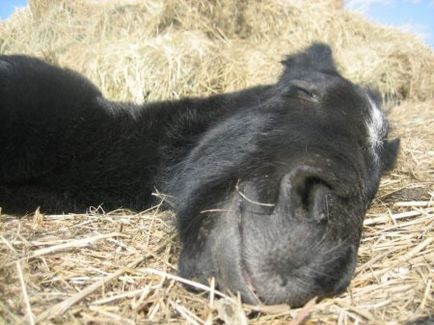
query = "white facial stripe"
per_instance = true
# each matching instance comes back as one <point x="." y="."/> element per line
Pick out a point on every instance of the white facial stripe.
<point x="376" y="127"/>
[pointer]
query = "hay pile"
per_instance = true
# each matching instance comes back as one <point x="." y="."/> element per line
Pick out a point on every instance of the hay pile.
<point x="118" y="267"/>
<point x="165" y="49"/>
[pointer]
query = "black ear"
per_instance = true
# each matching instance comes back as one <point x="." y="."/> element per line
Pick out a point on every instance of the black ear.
<point x="389" y="153"/>
<point x="303" y="89"/>
<point x="317" y="57"/>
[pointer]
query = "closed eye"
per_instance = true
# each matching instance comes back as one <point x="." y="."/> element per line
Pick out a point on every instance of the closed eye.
<point x="304" y="93"/>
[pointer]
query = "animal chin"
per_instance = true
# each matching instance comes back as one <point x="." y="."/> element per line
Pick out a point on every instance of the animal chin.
<point x="295" y="269"/>
<point x="297" y="284"/>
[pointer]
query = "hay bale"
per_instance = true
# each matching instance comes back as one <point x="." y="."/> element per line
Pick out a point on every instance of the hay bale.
<point x="130" y="32"/>
<point x="118" y="267"/>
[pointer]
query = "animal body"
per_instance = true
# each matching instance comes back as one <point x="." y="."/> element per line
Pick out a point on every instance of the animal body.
<point x="270" y="184"/>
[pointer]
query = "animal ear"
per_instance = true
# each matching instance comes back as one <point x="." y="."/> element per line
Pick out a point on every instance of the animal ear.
<point x="390" y="153"/>
<point x="303" y="89"/>
<point x="317" y="57"/>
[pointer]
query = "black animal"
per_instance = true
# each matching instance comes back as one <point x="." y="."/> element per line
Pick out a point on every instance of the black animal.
<point x="270" y="184"/>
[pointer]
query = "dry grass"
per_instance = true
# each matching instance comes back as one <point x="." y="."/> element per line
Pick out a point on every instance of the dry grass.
<point x="119" y="267"/>
<point x="164" y="49"/>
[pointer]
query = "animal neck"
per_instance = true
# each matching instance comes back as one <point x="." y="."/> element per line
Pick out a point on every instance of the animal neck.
<point x="179" y="124"/>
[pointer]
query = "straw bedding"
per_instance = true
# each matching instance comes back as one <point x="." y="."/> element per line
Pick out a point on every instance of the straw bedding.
<point x="120" y="266"/>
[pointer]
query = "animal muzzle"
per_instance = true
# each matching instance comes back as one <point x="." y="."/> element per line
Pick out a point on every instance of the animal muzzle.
<point x="282" y="244"/>
<point x="294" y="249"/>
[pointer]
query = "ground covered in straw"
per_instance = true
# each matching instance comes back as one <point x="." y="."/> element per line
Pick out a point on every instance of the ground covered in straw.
<point x="120" y="266"/>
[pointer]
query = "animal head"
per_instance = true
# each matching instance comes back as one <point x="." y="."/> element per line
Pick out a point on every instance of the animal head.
<point x="271" y="200"/>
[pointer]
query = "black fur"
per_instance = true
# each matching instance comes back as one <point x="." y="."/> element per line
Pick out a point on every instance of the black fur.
<point x="270" y="184"/>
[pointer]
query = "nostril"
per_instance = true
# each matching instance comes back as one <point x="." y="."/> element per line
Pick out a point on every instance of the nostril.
<point x="305" y="189"/>
<point x="318" y="202"/>
<point x="305" y="195"/>
<point x="313" y="193"/>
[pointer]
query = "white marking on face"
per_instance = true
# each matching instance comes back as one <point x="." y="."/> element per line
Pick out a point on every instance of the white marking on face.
<point x="376" y="127"/>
